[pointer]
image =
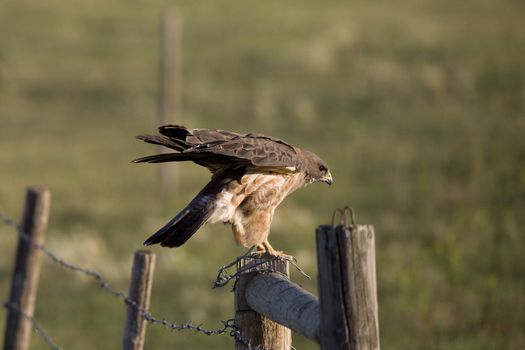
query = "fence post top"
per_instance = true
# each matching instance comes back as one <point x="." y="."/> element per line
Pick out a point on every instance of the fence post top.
<point x="144" y="252"/>
<point x="38" y="190"/>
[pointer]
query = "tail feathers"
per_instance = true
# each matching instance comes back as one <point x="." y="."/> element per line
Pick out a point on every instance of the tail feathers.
<point x="176" y="232"/>
<point x="178" y="145"/>
<point x="171" y="157"/>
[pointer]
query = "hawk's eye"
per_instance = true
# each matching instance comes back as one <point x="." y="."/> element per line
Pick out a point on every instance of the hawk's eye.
<point x="322" y="168"/>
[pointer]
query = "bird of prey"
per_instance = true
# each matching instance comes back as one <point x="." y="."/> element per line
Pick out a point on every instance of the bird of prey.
<point x="251" y="175"/>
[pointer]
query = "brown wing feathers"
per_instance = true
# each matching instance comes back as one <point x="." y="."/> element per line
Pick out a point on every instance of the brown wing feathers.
<point x="164" y="141"/>
<point x="207" y="147"/>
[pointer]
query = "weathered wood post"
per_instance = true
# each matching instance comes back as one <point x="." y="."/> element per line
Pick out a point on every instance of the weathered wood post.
<point x="170" y="78"/>
<point x="24" y="283"/>
<point x="347" y="287"/>
<point x="255" y="328"/>
<point x="140" y="293"/>
<point x="279" y="299"/>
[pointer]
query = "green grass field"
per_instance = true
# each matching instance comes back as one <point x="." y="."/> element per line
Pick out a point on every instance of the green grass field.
<point x="417" y="106"/>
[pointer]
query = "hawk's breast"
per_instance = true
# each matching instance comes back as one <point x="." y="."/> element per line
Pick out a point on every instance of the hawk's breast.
<point x="252" y="193"/>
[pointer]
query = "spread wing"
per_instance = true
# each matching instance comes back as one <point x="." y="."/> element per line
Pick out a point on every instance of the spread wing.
<point x="216" y="149"/>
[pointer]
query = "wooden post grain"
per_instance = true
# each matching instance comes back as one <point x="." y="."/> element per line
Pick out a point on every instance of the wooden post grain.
<point x="277" y="298"/>
<point x="170" y="77"/>
<point x="258" y="330"/>
<point x="347" y="287"/>
<point x="139" y="292"/>
<point x="24" y="283"/>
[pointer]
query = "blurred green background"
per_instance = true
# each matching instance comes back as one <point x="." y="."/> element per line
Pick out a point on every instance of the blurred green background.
<point x="417" y="106"/>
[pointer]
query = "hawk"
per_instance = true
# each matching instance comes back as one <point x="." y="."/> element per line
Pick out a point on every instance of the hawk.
<point x="251" y="175"/>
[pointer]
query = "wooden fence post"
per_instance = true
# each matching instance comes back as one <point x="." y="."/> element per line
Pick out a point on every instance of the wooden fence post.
<point x="24" y="283"/>
<point x="140" y="293"/>
<point x="276" y="297"/>
<point x="347" y="287"/>
<point x="170" y="78"/>
<point x="255" y="328"/>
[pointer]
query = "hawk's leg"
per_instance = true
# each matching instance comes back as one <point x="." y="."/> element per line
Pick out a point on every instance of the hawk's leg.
<point x="266" y="247"/>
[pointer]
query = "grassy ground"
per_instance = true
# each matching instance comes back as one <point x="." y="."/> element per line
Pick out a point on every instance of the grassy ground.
<point x="418" y="107"/>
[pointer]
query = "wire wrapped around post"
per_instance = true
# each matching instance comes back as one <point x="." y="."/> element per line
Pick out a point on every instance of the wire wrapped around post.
<point x="254" y="328"/>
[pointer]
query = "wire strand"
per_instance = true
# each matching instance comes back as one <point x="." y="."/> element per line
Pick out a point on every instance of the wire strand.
<point x="228" y="327"/>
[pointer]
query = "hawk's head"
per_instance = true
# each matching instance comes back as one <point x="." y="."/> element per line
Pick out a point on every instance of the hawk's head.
<point x="316" y="169"/>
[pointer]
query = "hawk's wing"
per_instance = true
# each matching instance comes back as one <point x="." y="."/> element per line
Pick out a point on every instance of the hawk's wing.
<point x="216" y="149"/>
<point x="259" y="150"/>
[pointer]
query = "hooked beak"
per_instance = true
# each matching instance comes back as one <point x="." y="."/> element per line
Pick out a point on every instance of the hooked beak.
<point x="327" y="179"/>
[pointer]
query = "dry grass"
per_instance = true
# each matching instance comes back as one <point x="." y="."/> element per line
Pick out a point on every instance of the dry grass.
<point x="416" y="105"/>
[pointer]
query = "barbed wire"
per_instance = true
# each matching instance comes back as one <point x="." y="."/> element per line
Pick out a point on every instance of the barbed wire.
<point x="36" y="325"/>
<point x="224" y="277"/>
<point x="228" y="325"/>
